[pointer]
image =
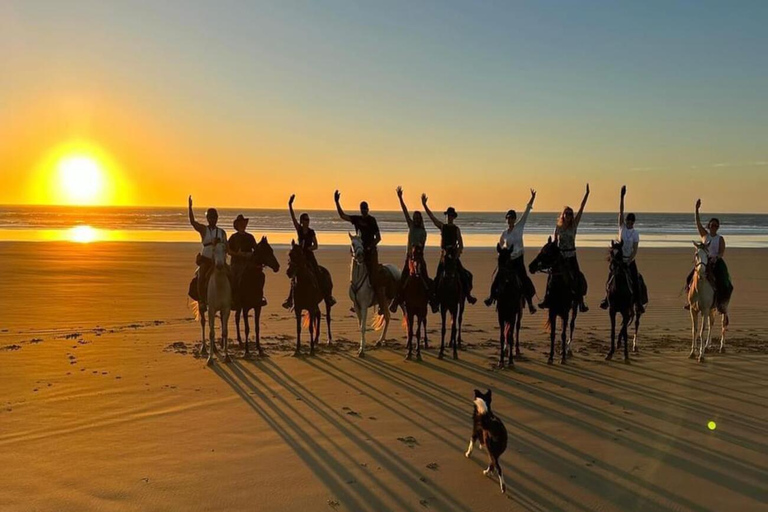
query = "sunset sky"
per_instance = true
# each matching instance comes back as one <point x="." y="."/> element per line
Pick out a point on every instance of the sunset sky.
<point x="243" y="103"/>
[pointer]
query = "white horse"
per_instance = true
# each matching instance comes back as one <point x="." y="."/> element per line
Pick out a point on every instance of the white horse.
<point x="362" y="294"/>
<point x="219" y="300"/>
<point x="701" y="299"/>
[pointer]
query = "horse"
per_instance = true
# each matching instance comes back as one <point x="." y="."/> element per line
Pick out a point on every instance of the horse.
<point x="251" y="292"/>
<point x="450" y="297"/>
<point x="306" y="296"/>
<point x="416" y="293"/>
<point x="510" y="304"/>
<point x="563" y="301"/>
<point x="219" y="297"/>
<point x="701" y="299"/>
<point x="621" y="299"/>
<point x="363" y="295"/>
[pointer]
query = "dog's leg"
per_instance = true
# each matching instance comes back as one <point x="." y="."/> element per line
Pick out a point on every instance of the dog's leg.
<point x="501" y="476"/>
<point x="470" y="447"/>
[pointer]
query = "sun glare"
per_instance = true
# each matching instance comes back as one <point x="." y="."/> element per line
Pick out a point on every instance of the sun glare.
<point x="81" y="179"/>
<point x="82" y="234"/>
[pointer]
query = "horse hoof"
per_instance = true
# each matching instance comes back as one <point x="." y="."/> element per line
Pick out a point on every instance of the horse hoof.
<point x="378" y="344"/>
<point x="455" y="357"/>
<point x="209" y="361"/>
<point x="408" y="357"/>
<point x="227" y="359"/>
<point x="569" y="353"/>
<point x="311" y="353"/>
<point x="297" y="354"/>
<point x="360" y="353"/>
<point x="691" y="355"/>
<point x="627" y="361"/>
<point x="503" y="489"/>
<point x="441" y="355"/>
<point x="635" y="350"/>
<point x="518" y="353"/>
<point x="609" y="356"/>
<point x="418" y="357"/>
<point x="550" y="361"/>
<point x="722" y="350"/>
<point x="700" y="359"/>
<point x="563" y="361"/>
<point x="262" y="353"/>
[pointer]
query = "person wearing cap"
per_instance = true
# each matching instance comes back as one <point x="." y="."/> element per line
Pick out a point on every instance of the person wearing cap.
<point x="565" y="237"/>
<point x="417" y="237"/>
<point x="241" y="247"/>
<point x="208" y="235"/>
<point x="451" y="241"/>
<point x="631" y="241"/>
<point x="367" y="229"/>
<point x="307" y="240"/>
<point x="512" y="237"/>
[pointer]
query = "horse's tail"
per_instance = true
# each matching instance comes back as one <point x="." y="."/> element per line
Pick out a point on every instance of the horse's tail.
<point x="547" y="324"/>
<point x="377" y="323"/>
<point x="305" y="320"/>
<point x="195" y="309"/>
<point x="405" y="323"/>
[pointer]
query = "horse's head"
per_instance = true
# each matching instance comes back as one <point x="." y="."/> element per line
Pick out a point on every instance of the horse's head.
<point x="219" y="254"/>
<point x="296" y="260"/>
<point x="702" y="254"/>
<point x="415" y="259"/>
<point x="265" y="255"/>
<point x="505" y="256"/>
<point x="547" y="257"/>
<point x="616" y="255"/>
<point x="356" y="248"/>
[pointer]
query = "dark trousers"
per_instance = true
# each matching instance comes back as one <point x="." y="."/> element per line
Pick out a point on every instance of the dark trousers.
<point x="205" y="265"/>
<point x="634" y="277"/>
<point x="465" y="276"/>
<point x="518" y="267"/>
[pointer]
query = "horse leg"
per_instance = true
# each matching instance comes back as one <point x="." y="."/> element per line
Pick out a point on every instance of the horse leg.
<point x="418" y="337"/>
<point x="225" y="333"/>
<point x="454" y="330"/>
<point x="409" y="329"/>
<point x="387" y="318"/>
<point x="564" y="352"/>
<point x="694" y="325"/>
<point x="257" y="329"/>
<point x="203" y="346"/>
<point x="552" y="328"/>
<point x="724" y="326"/>
<point x="362" y="314"/>
<point x="211" y="334"/>
<point x="297" y="311"/>
<point x="424" y="322"/>
<point x="612" y="315"/>
<point x="518" y="323"/>
<point x="328" y="321"/>
<point x="502" y="338"/>
<point x="247" y="327"/>
<point x="635" y="348"/>
<point x="237" y="327"/>
<point x="510" y="342"/>
<point x="625" y="318"/>
<point x="441" y="354"/>
<point x="314" y="330"/>
<point x="574" y="313"/>
<point x="461" y="321"/>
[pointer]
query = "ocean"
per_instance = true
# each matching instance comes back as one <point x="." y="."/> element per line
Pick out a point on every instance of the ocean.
<point x="480" y="229"/>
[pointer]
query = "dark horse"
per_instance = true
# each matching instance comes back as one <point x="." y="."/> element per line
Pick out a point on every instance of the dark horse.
<point x="416" y="293"/>
<point x="620" y="298"/>
<point x="307" y="295"/>
<point x="563" y="301"/>
<point x="510" y="304"/>
<point x="450" y="297"/>
<point x="251" y="292"/>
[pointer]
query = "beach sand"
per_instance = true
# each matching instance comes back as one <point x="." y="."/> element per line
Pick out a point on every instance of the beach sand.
<point x="105" y="406"/>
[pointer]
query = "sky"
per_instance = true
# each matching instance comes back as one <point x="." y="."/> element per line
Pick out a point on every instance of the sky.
<point x="474" y="103"/>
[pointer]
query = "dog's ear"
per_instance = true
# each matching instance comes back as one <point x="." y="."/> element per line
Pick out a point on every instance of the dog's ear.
<point x="488" y="397"/>
<point x="478" y="394"/>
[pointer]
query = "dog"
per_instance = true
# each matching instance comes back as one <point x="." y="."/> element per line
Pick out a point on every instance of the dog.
<point x="489" y="431"/>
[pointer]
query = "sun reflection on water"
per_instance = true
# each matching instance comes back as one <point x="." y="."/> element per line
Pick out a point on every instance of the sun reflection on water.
<point x="83" y="234"/>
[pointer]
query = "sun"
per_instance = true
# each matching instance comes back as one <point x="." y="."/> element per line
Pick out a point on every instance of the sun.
<point x="81" y="179"/>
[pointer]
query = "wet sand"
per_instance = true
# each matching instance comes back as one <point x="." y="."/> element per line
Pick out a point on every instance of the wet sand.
<point x="105" y="405"/>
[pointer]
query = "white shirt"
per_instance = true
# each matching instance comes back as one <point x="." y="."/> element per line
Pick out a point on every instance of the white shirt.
<point x="714" y="245"/>
<point x="630" y="237"/>
<point x="514" y="237"/>
<point x="210" y="235"/>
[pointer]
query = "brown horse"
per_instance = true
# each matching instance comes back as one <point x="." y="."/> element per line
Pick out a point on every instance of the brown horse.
<point x="416" y="293"/>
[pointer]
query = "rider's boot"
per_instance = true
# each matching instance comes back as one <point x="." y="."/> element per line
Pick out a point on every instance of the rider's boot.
<point x="531" y="307"/>
<point x="604" y="303"/>
<point x="583" y="308"/>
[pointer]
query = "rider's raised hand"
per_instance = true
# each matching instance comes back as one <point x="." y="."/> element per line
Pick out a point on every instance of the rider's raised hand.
<point x="293" y="196"/>
<point x="336" y="196"/>
<point x="424" y="198"/>
<point x="533" y="195"/>
<point x="190" y="200"/>
<point x="587" y="188"/>
<point x="623" y="190"/>
<point x="399" y="191"/>
<point x="698" y="204"/>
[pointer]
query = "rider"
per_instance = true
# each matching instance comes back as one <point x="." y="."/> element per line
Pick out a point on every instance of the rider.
<point x="208" y="235"/>
<point x="716" y="244"/>
<point x="565" y="237"/>
<point x="513" y="237"/>
<point x="450" y="242"/>
<point x="630" y="239"/>
<point x="367" y="229"/>
<point x="241" y="248"/>
<point x="308" y="243"/>
<point x="417" y="237"/>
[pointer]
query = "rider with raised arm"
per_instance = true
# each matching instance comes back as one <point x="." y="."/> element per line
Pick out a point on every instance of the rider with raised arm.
<point x="417" y="237"/>
<point x="451" y="242"/>
<point x="630" y="239"/>
<point x="513" y="237"/>
<point x="565" y="237"/>
<point x="716" y="264"/>
<point x="367" y="229"/>
<point x="307" y="240"/>
<point x="209" y="235"/>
